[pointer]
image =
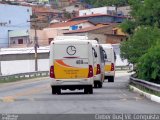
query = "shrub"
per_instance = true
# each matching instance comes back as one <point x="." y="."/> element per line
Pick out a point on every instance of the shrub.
<point x="149" y="65"/>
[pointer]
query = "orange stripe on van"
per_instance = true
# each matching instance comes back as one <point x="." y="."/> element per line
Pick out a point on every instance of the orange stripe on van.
<point x="62" y="63"/>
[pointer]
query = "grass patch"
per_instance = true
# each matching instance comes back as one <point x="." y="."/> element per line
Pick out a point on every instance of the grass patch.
<point x="144" y="89"/>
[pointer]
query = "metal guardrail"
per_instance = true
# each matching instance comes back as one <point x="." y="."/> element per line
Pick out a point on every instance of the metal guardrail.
<point x="25" y="75"/>
<point x="123" y="67"/>
<point x="146" y="84"/>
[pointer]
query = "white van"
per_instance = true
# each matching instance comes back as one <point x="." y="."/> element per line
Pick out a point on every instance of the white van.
<point x="71" y="65"/>
<point x="99" y="64"/>
<point x="109" y="62"/>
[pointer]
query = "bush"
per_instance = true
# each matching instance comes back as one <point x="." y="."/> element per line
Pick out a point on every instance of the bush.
<point x="139" y="43"/>
<point x="149" y="65"/>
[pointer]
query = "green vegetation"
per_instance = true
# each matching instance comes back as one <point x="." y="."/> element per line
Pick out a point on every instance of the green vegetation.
<point x="149" y="65"/>
<point x="143" y="45"/>
<point x="101" y="3"/>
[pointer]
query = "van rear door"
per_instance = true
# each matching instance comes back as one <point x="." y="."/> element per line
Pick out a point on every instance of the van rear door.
<point x="71" y="61"/>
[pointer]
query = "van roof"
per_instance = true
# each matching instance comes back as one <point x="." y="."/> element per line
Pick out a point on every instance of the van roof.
<point x="107" y="45"/>
<point x="71" y="37"/>
<point x="70" y="41"/>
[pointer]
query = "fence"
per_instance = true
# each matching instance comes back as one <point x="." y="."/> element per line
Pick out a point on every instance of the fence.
<point x="24" y="75"/>
<point x="145" y="84"/>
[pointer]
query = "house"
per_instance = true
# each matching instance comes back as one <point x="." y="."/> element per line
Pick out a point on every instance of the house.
<point x="19" y="38"/>
<point x="103" y="33"/>
<point x="13" y="18"/>
<point x="115" y="36"/>
<point x="108" y="10"/>
<point x="124" y="10"/>
<point x="93" y="33"/>
<point x="100" y="18"/>
<point x="59" y="28"/>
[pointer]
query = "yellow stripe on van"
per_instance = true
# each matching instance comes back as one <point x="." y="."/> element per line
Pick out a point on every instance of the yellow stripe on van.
<point x="108" y="67"/>
<point x="68" y="72"/>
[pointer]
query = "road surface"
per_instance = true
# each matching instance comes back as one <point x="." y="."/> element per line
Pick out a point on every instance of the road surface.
<point x="34" y="96"/>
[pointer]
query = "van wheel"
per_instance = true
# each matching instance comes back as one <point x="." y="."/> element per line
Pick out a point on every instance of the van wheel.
<point x="88" y="89"/>
<point x="58" y="91"/>
<point x="110" y="79"/>
<point x="95" y="85"/>
<point x="53" y="90"/>
<point x="99" y="84"/>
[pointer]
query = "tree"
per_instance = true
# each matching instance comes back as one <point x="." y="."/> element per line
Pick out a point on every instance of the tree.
<point x="139" y="43"/>
<point x="144" y="12"/>
<point x="149" y="65"/>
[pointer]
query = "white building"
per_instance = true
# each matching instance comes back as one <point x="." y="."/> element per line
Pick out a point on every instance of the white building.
<point x="13" y="18"/>
<point x="101" y="10"/>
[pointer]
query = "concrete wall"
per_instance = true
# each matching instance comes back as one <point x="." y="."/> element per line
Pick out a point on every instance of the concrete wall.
<point x="125" y="10"/>
<point x="115" y="39"/>
<point x="42" y="39"/>
<point x="22" y="66"/>
<point x="13" y="17"/>
<point x="100" y="37"/>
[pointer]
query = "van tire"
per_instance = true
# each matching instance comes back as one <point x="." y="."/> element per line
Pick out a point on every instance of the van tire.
<point x="88" y="90"/>
<point x="95" y="85"/>
<point x="111" y="79"/>
<point x="58" y="90"/>
<point x="91" y="90"/>
<point x="53" y="90"/>
<point x="99" y="84"/>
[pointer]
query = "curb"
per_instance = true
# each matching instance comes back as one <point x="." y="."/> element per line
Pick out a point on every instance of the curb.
<point x="147" y="95"/>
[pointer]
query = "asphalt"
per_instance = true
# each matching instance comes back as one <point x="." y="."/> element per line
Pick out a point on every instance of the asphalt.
<point x="34" y="97"/>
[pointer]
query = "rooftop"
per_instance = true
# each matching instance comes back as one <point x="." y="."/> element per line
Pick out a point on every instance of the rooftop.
<point x="97" y="15"/>
<point x="96" y="29"/>
<point x="67" y="24"/>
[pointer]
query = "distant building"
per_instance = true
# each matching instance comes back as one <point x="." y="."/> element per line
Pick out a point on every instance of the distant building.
<point x="103" y="33"/>
<point x="93" y="33"/>
<point x="125" y="10"/>
<point x="13" y="18"/>
<point x="100" y="18"/>
<point x="108" y="10"/>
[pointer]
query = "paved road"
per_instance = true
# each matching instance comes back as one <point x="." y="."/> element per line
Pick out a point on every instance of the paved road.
<point x="35" y="97"/>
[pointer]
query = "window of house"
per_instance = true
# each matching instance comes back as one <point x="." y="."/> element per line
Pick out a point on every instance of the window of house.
<point x="20" y="41"/>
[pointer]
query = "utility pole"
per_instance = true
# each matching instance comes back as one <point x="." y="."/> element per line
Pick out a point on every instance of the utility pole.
<point x="35" y="47"/>
<point x="35" y="42"/>
<point x="0" y="65"/>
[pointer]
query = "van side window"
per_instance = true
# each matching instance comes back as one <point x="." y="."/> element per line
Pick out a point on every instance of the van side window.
<point x="94" y="52"/>
<point x="115" y="56"/>
<point x="102" y="55"/>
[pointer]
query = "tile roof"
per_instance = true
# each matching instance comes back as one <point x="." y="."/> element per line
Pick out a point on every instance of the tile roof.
<point x="67" y="24"/>
<point x="87" y="29"/>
